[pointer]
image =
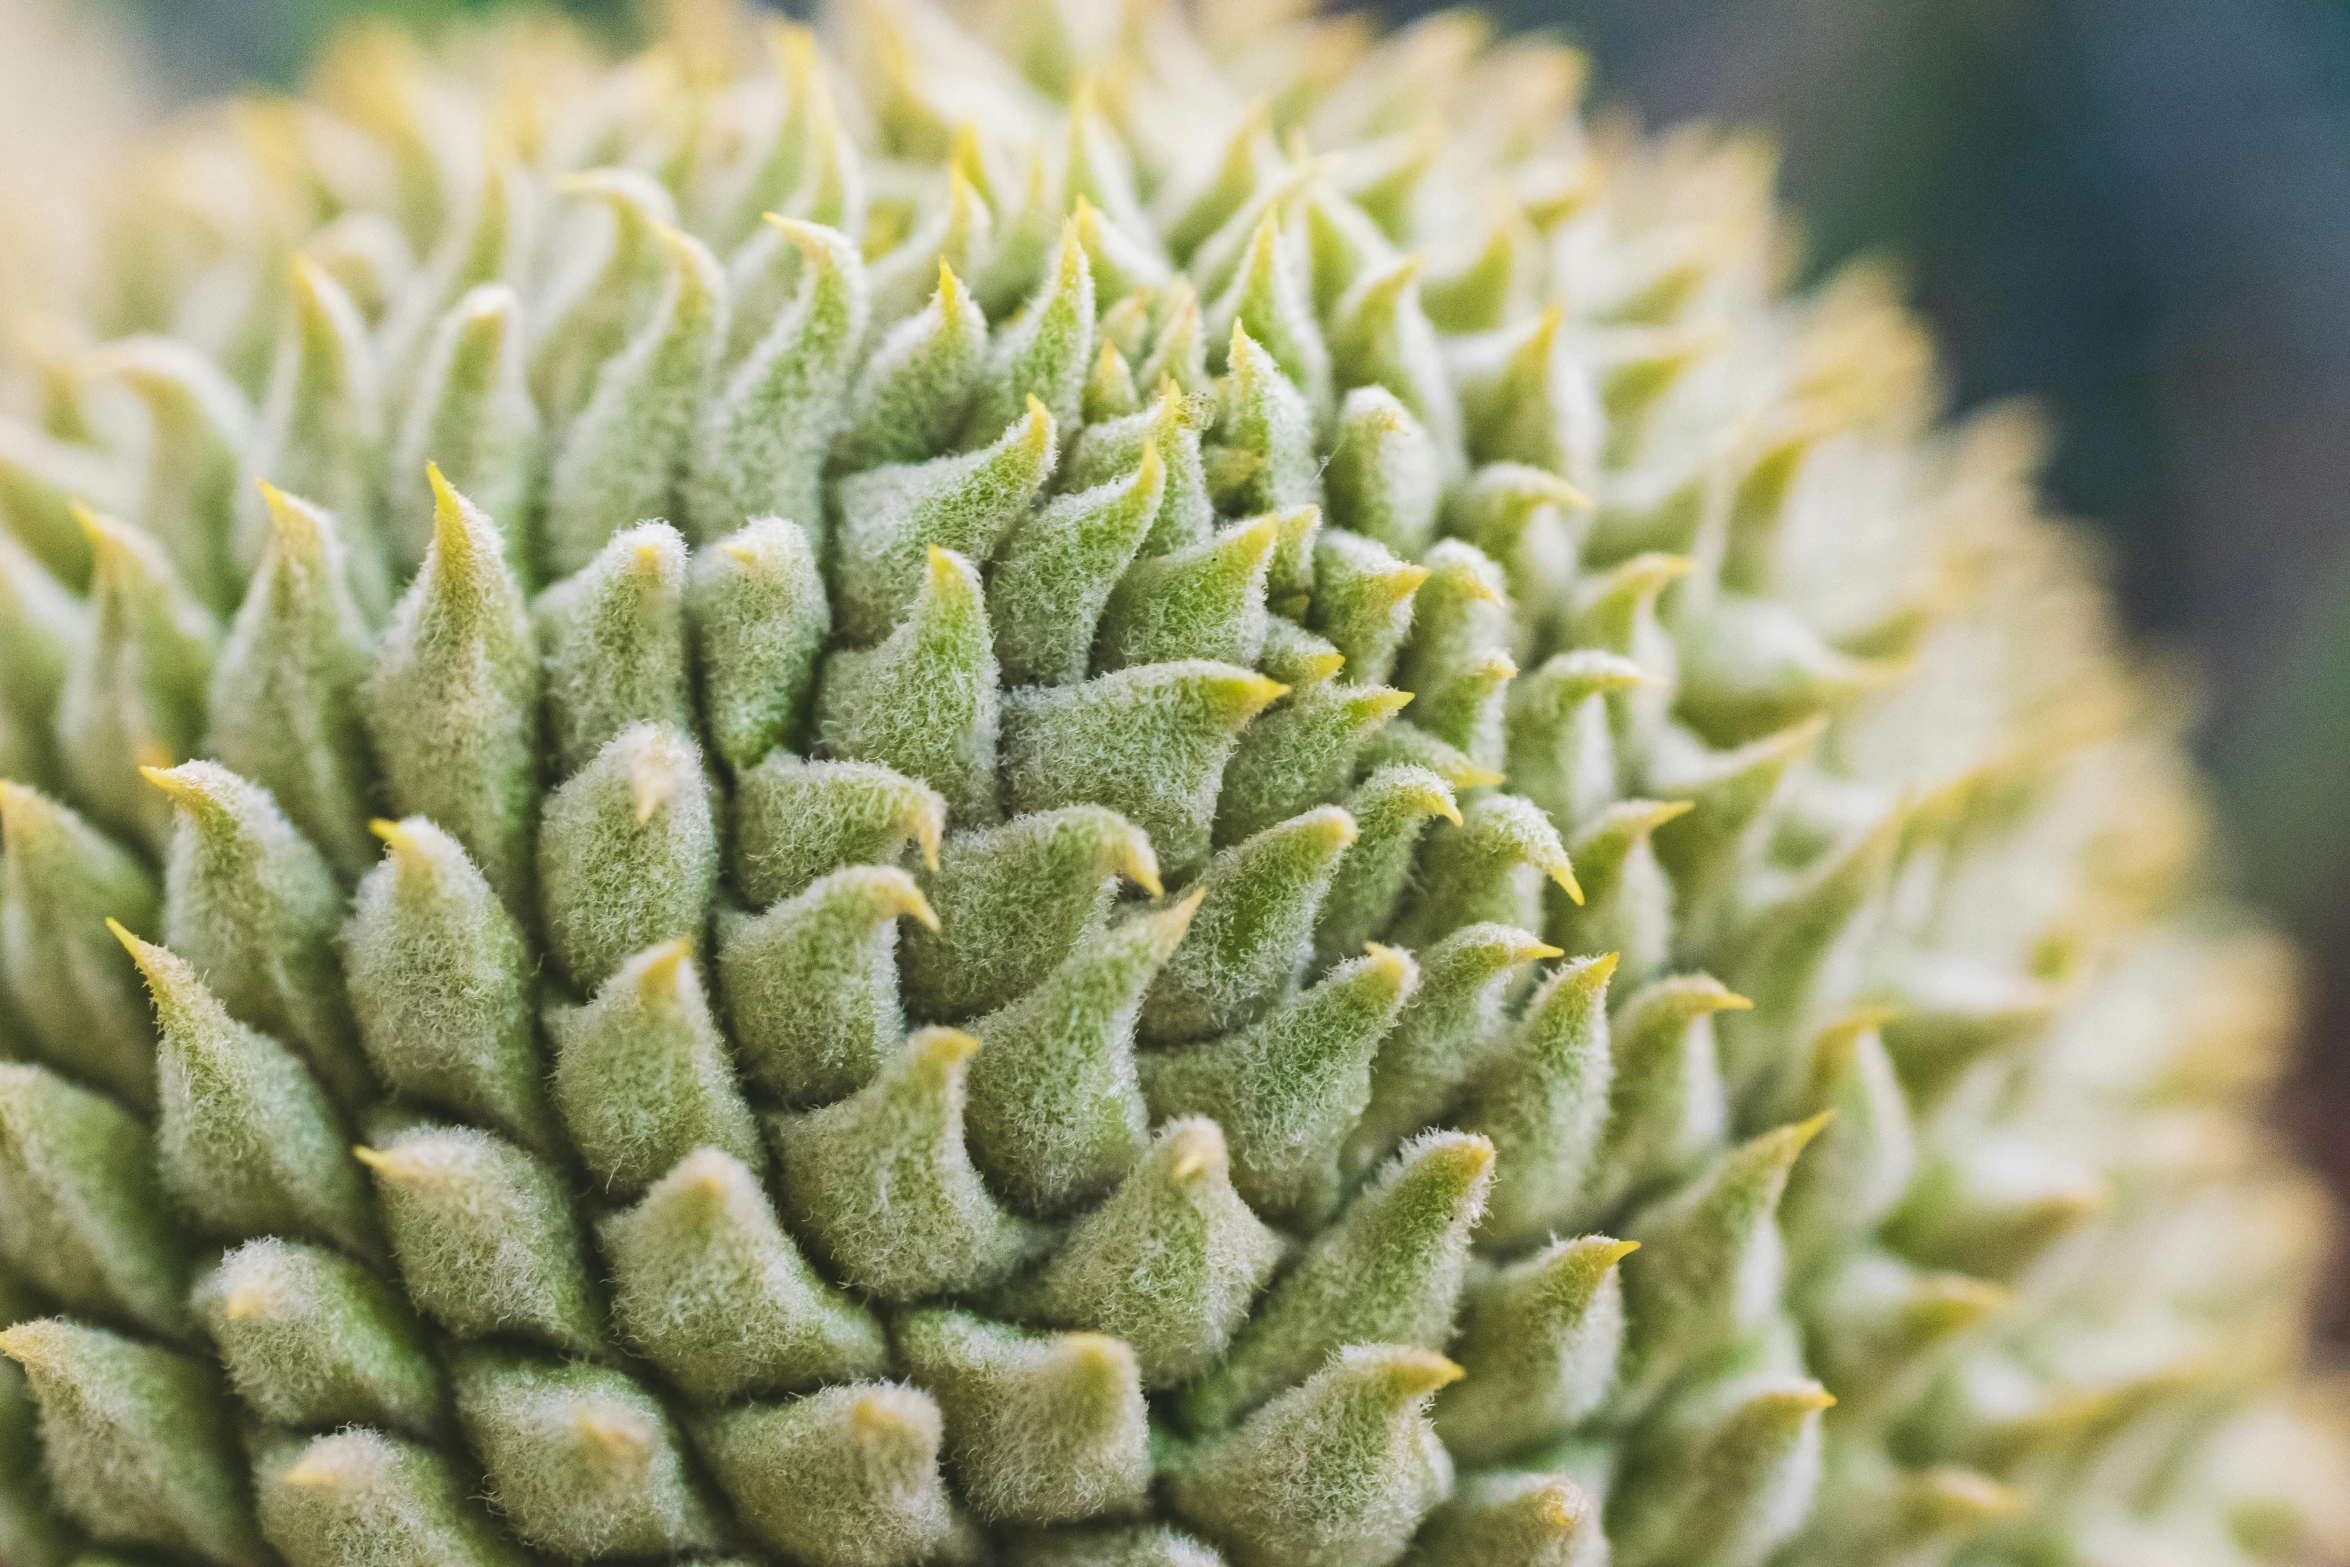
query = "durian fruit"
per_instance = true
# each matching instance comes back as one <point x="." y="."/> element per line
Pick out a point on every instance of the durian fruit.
<point x="1091" y="786"/>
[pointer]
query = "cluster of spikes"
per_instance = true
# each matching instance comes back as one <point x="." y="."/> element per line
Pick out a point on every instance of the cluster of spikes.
<point x="1098" y="787"/>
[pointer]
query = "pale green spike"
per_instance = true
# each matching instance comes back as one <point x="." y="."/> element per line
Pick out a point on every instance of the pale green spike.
<point x="1363" y="602"/>
<point x="756" y="607"/>
<point x="1524" y="398"/>
<point x="1251" y="162"/>
<point x="284" y="701"/>
<point x="1254" y="933"/>
<point x="139" y="1447"/>
<point x="1044" y="352"/>
<point x="480" y="247"/>
<point x="255" y="909"/>
<point x="1562" y="753"/>
<point x="586" y="321"/>
<point x="1516" y="515"/>
<point x="1869" y="1510"/>
<point x="1100" y="170"/>
<point x="1451" y="1024"/>
<point x="1992" y="1206"/>
<point x="486" y="1238"/>
<point x="134" y="693"/>
<point x="1391" y="808"/>
<point x="779" y="170"/>
<point x="41" y="623"/>
<point x="1133" y="1545"/>
<point x="811" y="985"/>
<point x="1723" y="1482"/>
<point x="1405" y="744"/>
<point x="925" y="702"/>
<point x="884" y="1186"/>
<point x="891" y="518"/>
<point x="612" y="641"/>
<point x="1749" y="667"/>
<point x="1729" y="792"/>
<point x="1289" y="1089"/>
<point x="1462" y="622"/>
<point x="1122" y="265"/>
<point x="1512" y="1519"/>
<point x="911" y="397"/>
<point x="1337" y="1473"/>
<point x="1289" y="583"/>
<point x="1025" y="240"/>
<point x="1784" y="947"/>
<point x="1389" y="1271"/>
<point x="320" y="431"/>
<point x="628" y="853"/>
<point x="453" y="703"/>
<point x="1267" y="421"/>
<point x="763" y="437"/>
<point x="1386" y="475"/>
<point x="1667" y="1113"/>
<point x="1169" y="1263"/>
<point x="1875" y="1320"/>
<point x="1056" y="1114"/>
<point x="1297" y="657"/>
<point x="1479" y="295"/>
<point x="796" y="820"/>
<point x="1865" y="1160"/>
<point x="1491" y="867"/>
<point x="472" y="415"/>
<point x="1539" y="1340"/>
<point x="1299" y="755"/>
<point x="1039" y="1428"/>
<point x="1171" y="423"/>
<point x="85" y="1218"/>
<point x="1206" y="601"/>
<point x="847" y="1477"/>
<point x="440" y="981"/>
<point x="1542" y="1098"/>
<point x="957" y="239"/>
<point x="709" y="1287"/>
<point x="1058" y="568"/>
<point x="362" y="1499"/>
<point x="1380" y="335"/>
<point x="198" y="423"/>
<point x="581" y="1460"/>
<point x="1627" y="903"/>
<point x="1014" y="901"/>
<point x="1714" y="1262"/>
<point x="247" y="1142"/>
<point x="1149" y="742"/>
<point x="79" y="997"/>
<point x="1179" y="354"/>
<point x="1109" y="391"/>
<point x="312" y="1340"/>
<point x="1268" y="297"/>
<point x="621" y="458"/>
<point x="42" y="479"/>
<point x="642" y="1076"/>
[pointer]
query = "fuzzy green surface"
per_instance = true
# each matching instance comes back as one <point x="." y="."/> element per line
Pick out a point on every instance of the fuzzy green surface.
<point x="1149" y="786"/>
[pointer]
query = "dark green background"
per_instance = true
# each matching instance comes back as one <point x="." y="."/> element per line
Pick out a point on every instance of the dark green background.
<point x="2136" y="210"/>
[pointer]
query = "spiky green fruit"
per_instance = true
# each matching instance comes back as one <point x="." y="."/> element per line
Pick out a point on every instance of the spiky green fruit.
<point x="1156" y="788"/>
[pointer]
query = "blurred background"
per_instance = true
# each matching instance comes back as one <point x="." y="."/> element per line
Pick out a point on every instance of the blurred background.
<point x="2137" y="211"/>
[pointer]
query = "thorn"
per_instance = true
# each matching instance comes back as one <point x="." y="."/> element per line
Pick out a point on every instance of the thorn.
<point x="1617" y="1251"/>
<point x="1196" y="1149"/>
<point x="241" y="1305"/>
<point x="1801" y="1133"/>
<point x="315" y="1472"/>
<point x="130" y="943"/>
<point x="942" y="1049"/>
<point x="871" y="1420"/>
<point x="1139" y="864"/>
<point x="1424" y="1371"/>
<point x="659" y="978"/>
<point x="740" y="553"/>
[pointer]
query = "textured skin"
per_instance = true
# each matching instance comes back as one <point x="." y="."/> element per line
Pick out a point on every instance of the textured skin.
<point x="1156" y="786"/>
